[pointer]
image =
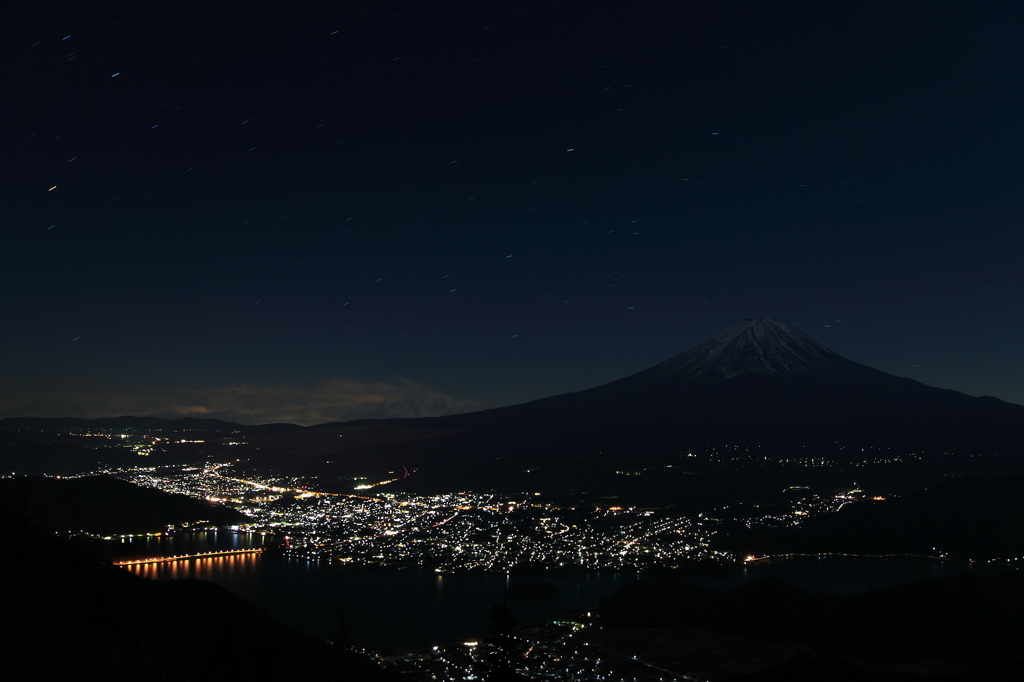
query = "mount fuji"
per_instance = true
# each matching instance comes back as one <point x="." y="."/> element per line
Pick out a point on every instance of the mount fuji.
<point x="759" y="346"/>
<point x="759" y="383"/>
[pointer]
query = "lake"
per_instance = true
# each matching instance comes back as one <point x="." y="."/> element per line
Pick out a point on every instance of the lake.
<point x="411" y="608"/>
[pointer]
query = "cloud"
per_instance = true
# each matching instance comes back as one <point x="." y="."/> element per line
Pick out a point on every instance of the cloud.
<point x="306" y="404"/>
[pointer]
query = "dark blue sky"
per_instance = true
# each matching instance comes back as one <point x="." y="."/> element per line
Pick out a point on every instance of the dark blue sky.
<point x="314" y="211"/>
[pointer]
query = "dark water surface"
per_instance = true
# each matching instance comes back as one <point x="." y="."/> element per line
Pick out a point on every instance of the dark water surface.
<point x="844" y="575"/>
<point x="198" y="541"/>
<point x="410" y="608"/>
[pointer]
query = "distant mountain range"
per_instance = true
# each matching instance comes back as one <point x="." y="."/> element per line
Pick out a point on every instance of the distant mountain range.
<point x="139" y="425"/>
<point x="759" y="383"/>
<point x="969" y="517"/>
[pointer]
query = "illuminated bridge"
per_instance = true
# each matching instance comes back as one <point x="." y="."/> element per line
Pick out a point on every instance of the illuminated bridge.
<point x="182" y="557"/>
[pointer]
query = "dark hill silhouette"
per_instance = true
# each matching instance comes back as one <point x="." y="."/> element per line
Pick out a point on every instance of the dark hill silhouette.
<point x="760" y="383"/>
<point x="817" y="668"/>
<point x="36" y="453"/>
<point x="139" y="424"/>
<point x="104" y="505"/>
<point x="965" y="620"/>
<point x="68" y="446"/>
<point x="68" y="615"/>
<point x="967" y="518"/>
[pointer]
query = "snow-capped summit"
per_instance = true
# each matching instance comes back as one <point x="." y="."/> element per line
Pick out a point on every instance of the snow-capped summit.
<point x="760" y="383"/>
<point x="760" y="345"/>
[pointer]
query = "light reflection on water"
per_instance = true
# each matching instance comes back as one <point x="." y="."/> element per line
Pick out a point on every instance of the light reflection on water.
<point x="199" y="541"/>
<point x="219" y="569"/>
<point x="409" y="608"/>
<point x="846" y="575"/>
<point x="397" y="609"/>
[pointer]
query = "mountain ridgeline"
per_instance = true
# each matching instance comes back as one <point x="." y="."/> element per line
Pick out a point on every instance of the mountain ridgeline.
<point x="762" y="381"/>
<point x="759" y="384"/>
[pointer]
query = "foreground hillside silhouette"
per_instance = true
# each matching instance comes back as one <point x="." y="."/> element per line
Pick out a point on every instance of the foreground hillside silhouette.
<point x="68" y="615"/>
<point x="967" y="518"/>
<point x="104" y="505"/>
<point x="958" y="624"/>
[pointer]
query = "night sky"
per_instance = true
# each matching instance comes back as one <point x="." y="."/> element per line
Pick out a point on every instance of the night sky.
<point x="308" y="211"/>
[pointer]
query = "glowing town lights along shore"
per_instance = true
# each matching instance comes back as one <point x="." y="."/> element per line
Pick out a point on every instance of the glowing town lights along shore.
<point x="185" y="557"/>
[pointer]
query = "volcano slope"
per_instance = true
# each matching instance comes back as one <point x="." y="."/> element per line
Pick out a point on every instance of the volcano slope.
<point x="759" y="385"/>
